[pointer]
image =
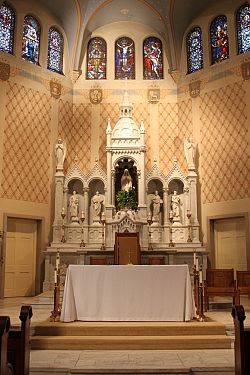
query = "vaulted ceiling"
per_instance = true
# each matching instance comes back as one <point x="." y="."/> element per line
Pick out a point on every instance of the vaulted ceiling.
<point x="169" y="18"/>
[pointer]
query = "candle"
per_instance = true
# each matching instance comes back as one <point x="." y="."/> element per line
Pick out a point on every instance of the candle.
<point x="103" y="216"/>
<point x="197" y="263"/>
<point x="201" y="279"/>
<point x="63" y="211"/>
<point x="82" y="215"/>
<point x="149" y="216"/>
<point x="57" y="261"/>
<point x="55" y="275"/>
<point x="171" y="214"/>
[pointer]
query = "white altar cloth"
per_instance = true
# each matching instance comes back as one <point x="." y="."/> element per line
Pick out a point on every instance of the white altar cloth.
<point x="127" y="293"/>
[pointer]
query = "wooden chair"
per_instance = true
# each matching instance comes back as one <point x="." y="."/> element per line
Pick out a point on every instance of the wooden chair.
<point x="5" y="367"/>
<point x="220" y="282"/>
<point x="156" y="260"/>
<point x="243" y="283"/>
<point x="98" y="260"/>
<point x="242" y="342"/>
<point x="19" y="343"/>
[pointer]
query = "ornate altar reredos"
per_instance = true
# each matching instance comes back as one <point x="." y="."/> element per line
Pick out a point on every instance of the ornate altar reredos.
<point x="87" y="213"/>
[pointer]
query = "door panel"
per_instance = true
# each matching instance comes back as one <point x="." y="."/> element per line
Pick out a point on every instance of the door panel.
<point x="230" y="243"/>
<point x="20" y="258"/>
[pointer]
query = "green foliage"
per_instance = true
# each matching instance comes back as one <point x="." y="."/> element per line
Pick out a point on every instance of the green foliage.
<point x="126" y="199"/>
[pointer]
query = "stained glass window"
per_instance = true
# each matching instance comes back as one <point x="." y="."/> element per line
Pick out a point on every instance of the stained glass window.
<point x="243" y="28"/>
<point x="31" y="39"/>
<point x="124" y="58"/>
<point x="7" y="24"/>
<point x="194" y="50"/>
<point x="96" y="59"/>
<point x="152" y="58"/>
<point x="219" y="39"/>
<point x="55" y="51"/>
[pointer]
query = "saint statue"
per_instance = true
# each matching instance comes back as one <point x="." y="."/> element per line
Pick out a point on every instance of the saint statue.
<point x="126" y="181"/>
<point x="175" y="205"/>
<point x="60" y="153"/>
<point x="73" y="206"/>
<point x="189" y="149"/>
<point x="97" y="201"/>
<point x="156" y="201"/>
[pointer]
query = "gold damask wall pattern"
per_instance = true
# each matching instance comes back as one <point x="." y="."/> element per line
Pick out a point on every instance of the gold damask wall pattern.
<point x="75" y="130"/>
<point x="26" y="154"/>
<point x="224" y="158"/>
<point x="175" y="124"/>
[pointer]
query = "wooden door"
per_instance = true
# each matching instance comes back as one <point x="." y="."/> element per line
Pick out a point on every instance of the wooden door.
<point x="230" y="243"/>
<point x="127" y="248"/>
<point x="20" y="258"/>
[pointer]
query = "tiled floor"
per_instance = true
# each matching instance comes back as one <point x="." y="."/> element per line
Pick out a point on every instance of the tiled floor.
<point x="103" y="361"/>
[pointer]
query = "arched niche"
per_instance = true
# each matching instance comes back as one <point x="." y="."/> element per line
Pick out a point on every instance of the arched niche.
<point x="95" y="185"/>
<point x="176" y="188"/>
<point x="121" y="165"/>
<point x="175" y="185"/>
<point x="154" y="186"/>
<point x="77" y="186"/>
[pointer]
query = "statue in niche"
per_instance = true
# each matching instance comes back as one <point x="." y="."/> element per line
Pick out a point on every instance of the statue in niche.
<point x="126" y="181"/>
<point x="156" y="203"/>
<point x="60" y="152"/>
<point x="97" y="201"/>
<point x="175" y="206"/>
<point x="73" y="207"/>
<point x="189" y="149"/>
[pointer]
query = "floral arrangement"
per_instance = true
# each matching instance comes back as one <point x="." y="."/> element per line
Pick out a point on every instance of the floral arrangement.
<point x="126" y="199"/>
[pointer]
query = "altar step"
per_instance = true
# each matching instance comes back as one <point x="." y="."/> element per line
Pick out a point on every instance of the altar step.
<point x="129" y="335"/>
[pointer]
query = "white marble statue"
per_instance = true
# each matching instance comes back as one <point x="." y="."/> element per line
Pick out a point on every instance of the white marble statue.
<point x="175" y="206"/>
<point x="126" y="180"/>
<point x="189" y="149"/>
<point x="97" y="201"/>
<point x="73" y="207"/>
<point x="156" y="202"/>
<point x="60" y="153"/>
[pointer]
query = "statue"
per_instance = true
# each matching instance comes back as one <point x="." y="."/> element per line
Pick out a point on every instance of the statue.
<point x="97" y="201"/>
<point x="189" y="149"/>
<point x="126" y="181"/>
<point x="175" y="205"/>
<point x="60" y="152"/>
<point x="73" y="206"/>
<point x="156" y="201"/>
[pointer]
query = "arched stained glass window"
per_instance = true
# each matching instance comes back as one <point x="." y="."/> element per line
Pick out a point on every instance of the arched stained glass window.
<point x="55" y="50"/>
<point x="96" y="59"/>
<point x="219" y="39"/>
<point x="31" y="39"/>
<point x="152" y="58"/>
<point x="194" y="50"/>
<point x="7" y="24"/>
<point x="243" y="28"/>
<point x="124" y="58"/>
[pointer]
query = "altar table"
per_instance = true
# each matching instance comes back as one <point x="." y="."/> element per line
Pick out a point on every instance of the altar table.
<point x="128" y="293"/>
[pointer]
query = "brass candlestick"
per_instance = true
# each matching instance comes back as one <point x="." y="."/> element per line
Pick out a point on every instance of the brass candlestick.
<point x="82" y="218"/>
<point x="189" y="226"/>
<point x="200" y="311"/>
<point x="149" y="220"/>
<point x="63" y="239"/>
<point x="171" y="219"/>
<point x="103" y="221"/>
<point x="56" y="313"/>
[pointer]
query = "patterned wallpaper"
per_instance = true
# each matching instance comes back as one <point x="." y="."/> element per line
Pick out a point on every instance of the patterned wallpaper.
<point x="224" y="159"/>
<point x="26" y="153"/>
<point x="175" y="124"/>
<point x="75" y="130"/>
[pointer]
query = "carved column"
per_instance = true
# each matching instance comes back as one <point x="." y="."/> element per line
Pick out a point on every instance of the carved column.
<point x="86" y="204"/>
<point x="192" y="179"/>
<point x="59" y="203"/>
<point x="165" y="207"/>
<point x="113" y="187"/>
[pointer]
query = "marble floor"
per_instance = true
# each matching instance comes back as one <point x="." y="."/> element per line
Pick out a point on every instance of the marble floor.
<point x="202" y="362"/>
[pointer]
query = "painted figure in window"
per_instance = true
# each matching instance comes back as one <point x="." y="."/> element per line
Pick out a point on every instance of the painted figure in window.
<point x="152" y="59"/>
<point x="243" y="28"/>
<point x="55" y="51"/>
<point x="219" y="39"/>
<point x="96" y="64"/>
<point x="124" y="59"/>
<point x="194" y="50"/>
<point x="7" y="23"/>
<point x="31" y="37"/>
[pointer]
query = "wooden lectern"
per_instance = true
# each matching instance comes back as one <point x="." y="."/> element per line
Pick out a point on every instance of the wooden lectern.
<point x="127" y="248"/>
